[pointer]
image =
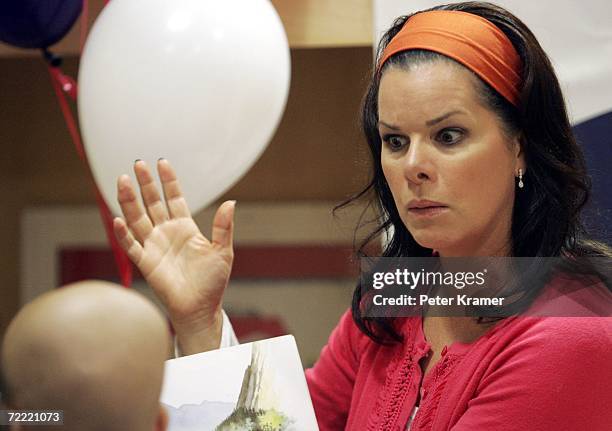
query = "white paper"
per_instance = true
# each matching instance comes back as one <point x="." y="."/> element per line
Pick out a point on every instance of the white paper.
<point x="201" y="391"/>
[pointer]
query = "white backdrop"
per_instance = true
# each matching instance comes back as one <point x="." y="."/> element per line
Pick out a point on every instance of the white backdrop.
<point x="577" y="35"/>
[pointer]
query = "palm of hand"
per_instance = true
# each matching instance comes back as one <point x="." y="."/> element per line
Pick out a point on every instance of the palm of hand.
<point x="184" y="268"/>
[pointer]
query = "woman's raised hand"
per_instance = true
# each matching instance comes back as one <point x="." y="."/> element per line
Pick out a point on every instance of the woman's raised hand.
<point x="187" y="272"/>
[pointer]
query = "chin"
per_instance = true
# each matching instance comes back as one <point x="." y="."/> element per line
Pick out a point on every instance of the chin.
<point x="434" y="240"/>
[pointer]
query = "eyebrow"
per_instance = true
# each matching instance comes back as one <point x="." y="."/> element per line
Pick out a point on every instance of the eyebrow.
<point x="427" y="123"/>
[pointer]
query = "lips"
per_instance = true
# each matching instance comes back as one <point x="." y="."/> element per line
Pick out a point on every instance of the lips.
<point x="426" y="208"/>
<point x="424" y="203"/>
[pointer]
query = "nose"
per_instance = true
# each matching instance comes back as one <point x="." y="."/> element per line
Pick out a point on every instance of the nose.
<point x="418" y="163"/>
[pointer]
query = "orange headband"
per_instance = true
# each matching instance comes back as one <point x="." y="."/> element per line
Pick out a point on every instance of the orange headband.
<point x="467" y="38"/>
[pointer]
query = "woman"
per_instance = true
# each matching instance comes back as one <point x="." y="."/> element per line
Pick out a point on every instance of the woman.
<point x="473" y="155"/>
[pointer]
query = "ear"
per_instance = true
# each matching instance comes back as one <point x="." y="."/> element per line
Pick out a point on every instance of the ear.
<point x="519" y="153"/>
<point x="161" y="424"/>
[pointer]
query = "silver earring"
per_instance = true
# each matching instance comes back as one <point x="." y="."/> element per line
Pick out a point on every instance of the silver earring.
<point x="520" y="183"/>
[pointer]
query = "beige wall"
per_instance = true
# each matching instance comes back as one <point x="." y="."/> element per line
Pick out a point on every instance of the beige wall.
<point x="316" y="154"/>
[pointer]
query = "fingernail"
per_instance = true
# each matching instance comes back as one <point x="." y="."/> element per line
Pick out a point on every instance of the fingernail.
<point x="137" y="160"/>
<point x="161" y="158"/>
<point x="233" y="203"/>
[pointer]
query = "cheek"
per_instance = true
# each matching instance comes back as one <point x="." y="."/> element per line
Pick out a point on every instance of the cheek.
<point x="482" y="183"/>
<point x="393" y="175"/>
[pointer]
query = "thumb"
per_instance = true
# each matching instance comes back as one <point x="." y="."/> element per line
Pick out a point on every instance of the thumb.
<point x="223" y="225"/>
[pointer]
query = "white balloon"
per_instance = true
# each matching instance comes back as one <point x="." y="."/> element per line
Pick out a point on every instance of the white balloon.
<point x="202" y="83"/>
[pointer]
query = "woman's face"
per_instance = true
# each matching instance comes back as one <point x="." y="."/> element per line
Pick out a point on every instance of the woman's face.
<point x="449" y="165"/>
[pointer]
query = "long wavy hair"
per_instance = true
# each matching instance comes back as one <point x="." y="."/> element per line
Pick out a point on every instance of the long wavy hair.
<point x="546" y="215"/>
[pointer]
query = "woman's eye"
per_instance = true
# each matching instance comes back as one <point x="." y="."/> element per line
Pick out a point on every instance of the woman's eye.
<point x="450" y="136"/>
<point x="394" y="142"/>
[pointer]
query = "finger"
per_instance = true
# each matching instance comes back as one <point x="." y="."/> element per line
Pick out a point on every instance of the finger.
<point x="137" y="220"/>
<point x="127" y="241"/>
<point x="150" y="194"/>
<point x="177" y="205"/>
<point x="223" y="225"/>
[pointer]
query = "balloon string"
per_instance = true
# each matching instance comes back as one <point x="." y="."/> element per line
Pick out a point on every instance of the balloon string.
<point x="63" y="84"/>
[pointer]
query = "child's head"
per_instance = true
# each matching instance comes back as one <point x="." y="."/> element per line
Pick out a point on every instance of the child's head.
<point x="92" y="349"/>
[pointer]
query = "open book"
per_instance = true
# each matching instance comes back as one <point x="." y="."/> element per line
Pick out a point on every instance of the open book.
<point x="257" y="386"/>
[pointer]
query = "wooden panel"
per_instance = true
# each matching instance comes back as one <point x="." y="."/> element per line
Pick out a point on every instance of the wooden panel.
<point x="308" y="23"/>
<point x="326" y="23"/>
<point x="317" y="153"/>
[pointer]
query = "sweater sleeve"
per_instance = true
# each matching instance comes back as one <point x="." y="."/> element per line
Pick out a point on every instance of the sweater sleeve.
<point x="331" y="379"/>
<point x="554" y="376"/>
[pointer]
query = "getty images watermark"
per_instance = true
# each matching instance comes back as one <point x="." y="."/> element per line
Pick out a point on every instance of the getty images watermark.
<point x="499" y="287"/>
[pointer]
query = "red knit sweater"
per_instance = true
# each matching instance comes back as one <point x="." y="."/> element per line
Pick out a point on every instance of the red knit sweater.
<point x="526" y="373"/>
